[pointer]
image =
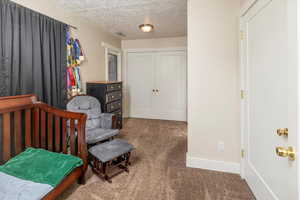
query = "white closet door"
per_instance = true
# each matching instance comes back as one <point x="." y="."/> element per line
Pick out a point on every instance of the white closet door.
<point x="157" y="85"/>
<point x="170" y="80"/>
<point x="140" y="84"/>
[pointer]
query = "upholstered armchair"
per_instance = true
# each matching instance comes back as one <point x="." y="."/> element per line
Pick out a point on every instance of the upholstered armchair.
<point x="99" y="126"/>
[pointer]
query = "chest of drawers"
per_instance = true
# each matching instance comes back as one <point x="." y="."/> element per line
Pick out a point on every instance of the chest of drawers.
<point x="110" y="96"/>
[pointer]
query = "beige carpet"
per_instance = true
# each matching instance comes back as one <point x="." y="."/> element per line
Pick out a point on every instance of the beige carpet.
<point x="158" y="170"/>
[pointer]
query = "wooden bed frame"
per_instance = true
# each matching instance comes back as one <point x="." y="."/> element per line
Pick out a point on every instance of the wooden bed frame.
<point x="29" y="123"/>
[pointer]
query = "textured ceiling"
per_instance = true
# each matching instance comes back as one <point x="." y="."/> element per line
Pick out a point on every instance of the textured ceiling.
<point x="169" y="17"/>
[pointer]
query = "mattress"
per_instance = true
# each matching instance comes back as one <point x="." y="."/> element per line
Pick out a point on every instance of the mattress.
<point x="34" y="173"/>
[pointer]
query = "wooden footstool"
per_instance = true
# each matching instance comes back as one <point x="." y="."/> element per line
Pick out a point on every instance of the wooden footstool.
<point x="110" y="155"/>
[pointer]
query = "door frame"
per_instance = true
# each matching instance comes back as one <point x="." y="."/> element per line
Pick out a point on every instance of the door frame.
<point x="125" y="70"/>
<point x="294" y="18"/>
<point x="242" y="73"/>
<point x="109" y="49"/>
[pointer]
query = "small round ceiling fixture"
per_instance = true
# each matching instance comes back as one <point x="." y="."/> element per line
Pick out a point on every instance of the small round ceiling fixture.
<point x="146" y="28"/>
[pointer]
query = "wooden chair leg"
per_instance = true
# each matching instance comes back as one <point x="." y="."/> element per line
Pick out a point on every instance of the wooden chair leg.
<point x="128" y="159"/>
<point x="82" y="180"/>
<point x="104" y="171"/>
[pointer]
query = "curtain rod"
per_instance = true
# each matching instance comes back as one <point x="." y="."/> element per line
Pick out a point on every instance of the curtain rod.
<point x="74" y="27"/>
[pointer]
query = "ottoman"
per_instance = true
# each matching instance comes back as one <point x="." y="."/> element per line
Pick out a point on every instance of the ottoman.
<point x="110" y="155"/>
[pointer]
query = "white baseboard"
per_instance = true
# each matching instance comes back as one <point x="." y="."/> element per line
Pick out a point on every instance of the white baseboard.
<point x="214" y="165"/>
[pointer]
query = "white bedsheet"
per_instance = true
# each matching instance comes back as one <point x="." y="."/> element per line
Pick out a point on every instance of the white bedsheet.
<point x="12" y="188"/>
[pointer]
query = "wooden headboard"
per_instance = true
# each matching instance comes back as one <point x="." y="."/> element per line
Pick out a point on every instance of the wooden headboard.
<point x="25" y="122"/>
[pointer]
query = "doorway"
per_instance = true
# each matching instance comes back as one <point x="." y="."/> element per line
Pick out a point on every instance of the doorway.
<point x="112" y="67"/>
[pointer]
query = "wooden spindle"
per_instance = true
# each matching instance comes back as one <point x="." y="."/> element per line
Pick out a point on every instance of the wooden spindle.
<point x="37" y="127"/>
<point x="64" y="136"/>
<point x="72" y="137"/>
<point x="6" y="136"/>
<point x="43" y="129"/>
<point x="28" y="135"/>
<point x="50" y="131"/>
<point x="18" y="131"/>
<point x="57" y="134"/>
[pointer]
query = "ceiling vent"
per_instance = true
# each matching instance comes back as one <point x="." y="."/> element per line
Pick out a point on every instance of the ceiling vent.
<point x="120" y="34"/>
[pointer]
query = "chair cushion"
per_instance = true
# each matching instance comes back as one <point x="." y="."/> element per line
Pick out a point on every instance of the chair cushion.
<point x="85" y="104"/>
<point x="106" y="120"/>
<point x="99" y="134"/>
<point x="93" y="123"/>
<point x="110" y="150"/>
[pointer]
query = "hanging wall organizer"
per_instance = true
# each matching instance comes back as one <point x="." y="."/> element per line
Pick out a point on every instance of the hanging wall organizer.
<point x="75" y="57"/>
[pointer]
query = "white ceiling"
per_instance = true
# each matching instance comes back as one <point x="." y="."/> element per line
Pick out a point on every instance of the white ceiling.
<point x="169" y="17"/>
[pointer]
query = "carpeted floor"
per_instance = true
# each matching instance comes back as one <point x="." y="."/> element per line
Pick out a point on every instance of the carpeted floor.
<point x="158" y="170"/>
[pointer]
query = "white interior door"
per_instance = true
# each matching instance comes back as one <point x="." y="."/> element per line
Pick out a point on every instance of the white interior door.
<point x="140" y="84"/>
<point x="170" y="78"/>
<point x="157" y="85"/>
<point x="271" y="74"/>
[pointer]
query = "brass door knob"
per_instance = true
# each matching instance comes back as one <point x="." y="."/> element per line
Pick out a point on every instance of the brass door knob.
<point x="286" y="152"/>
<point x="283" y="132"/>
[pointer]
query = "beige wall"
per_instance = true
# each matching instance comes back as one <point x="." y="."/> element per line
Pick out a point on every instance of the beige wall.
<point x="245" y="4"/>
<point x="155" y="43"/>
<point x="242" y="3"/>
<point x="89" y="35"/>
<point x="213" y="88"/>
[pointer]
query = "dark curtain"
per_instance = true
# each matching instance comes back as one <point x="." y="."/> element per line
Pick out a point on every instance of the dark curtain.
<point x="33" y="54"/>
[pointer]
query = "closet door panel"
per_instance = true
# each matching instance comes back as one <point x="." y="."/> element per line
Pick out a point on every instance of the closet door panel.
<point x="170" y="80"/>
<point x="140" y="76"/>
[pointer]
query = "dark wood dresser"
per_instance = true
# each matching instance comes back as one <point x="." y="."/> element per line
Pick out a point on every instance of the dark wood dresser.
<point x="110" y="96"/>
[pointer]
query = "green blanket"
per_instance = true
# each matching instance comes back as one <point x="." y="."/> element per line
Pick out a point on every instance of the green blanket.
<point x="41" y="166"/>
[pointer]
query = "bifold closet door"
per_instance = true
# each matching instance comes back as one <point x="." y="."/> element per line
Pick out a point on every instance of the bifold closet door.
<point x="170" y="81"/>
<point x="140" y="77"/>
<point x="157" y="85"/>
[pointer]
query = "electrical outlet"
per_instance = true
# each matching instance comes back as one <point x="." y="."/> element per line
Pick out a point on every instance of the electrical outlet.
<point x="221" y="146"/>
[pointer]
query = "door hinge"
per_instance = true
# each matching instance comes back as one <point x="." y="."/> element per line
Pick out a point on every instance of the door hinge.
<point x="243" y="94"/>
<point x="243" y="153"/>
<point x="242" y="35"/>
